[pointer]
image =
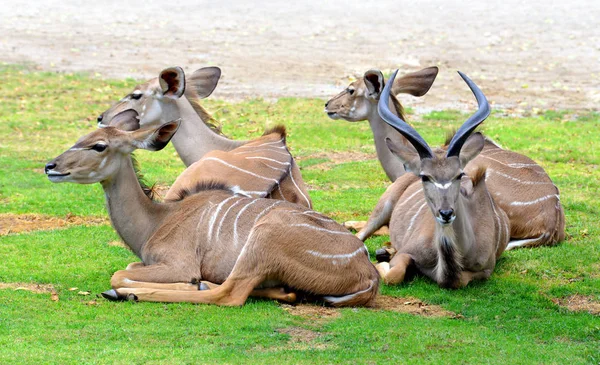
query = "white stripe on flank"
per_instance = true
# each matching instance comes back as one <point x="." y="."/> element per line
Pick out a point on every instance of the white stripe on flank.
<point x="518" y="180"/>
<point x="407" y="199"/>
<point x="235" y="223"/>
<point x="291" y="175"/>
<point x="225" y="215"/>
<point x="336" y="256"/>
<point x="536" y="200"/>
<point x="320" y="217"/>
<point x="262" y="150"/>
<point x="239" y="169"/>
<point x="521" y="243"/>
<point x="412" y="221"/>
<point x="345" y="298"/>
<point x="306" y="225"/>
<point x="266" y="210"/>
<point x="263" y="144"/>
<point x="213" y="218"/>
<point x="276" y="168"/>
<point x="268" y="159"/>
<point x="522" y="165"/>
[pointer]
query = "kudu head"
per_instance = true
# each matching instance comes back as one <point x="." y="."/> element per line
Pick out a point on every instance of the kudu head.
<point x="153" y="103"/>
<point x="99" y="155"/>
<point x="440" y="171"/>
<point x="360" y="98"/>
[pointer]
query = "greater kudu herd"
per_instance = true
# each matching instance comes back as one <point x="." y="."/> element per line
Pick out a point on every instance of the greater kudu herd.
<point x="238" y="221"/>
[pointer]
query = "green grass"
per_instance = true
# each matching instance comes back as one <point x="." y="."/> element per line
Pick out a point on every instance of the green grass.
<point x="509" y="319"/>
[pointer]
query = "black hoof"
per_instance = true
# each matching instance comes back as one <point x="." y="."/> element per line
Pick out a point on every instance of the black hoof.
<point x="382" y="255"/>
<point x="112" y="295"/>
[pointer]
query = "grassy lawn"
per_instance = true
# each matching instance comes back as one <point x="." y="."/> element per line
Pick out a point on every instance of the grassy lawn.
<point x="514" y="318"/>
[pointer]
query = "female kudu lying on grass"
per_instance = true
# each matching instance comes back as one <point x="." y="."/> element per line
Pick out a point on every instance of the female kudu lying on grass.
<point x="214" y="234"/>
<point x="463" y="232"/>
<point x="171" y="96"/>
<point x="520" y="186"/>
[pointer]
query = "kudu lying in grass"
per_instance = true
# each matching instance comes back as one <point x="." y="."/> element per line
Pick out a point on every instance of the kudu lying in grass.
<point x="462" y="234"/>
<point x="214" y="234"/>
<point x="265" y="160"/>
<point x="520" y="186"/>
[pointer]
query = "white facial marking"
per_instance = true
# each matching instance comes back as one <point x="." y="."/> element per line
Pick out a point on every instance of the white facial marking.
<point x="440" y="186"/>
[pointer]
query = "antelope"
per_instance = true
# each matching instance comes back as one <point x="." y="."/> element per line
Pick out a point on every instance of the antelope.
<point x="519" y="186"/>
<point x="462" y="234"/>
<point x="265" y="161"/>
<point x="214" y="235"/>
<point x="358" y="102"/>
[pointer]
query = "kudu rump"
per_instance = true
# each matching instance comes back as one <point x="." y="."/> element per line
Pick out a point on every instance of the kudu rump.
<point x="262" y="167"/>
<point x="214" y="235"/>
<point x="451" y="231"/>
<point x="519" y="186"/>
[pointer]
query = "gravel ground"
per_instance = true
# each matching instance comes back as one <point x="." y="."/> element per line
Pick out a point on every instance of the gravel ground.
<point x="525" y="55"/>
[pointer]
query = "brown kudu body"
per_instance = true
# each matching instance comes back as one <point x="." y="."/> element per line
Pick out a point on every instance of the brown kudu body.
<point x="444" y="224"/>
<point x="214" y="234"/>
<point x="520" y="186"/>
<point x="171" y="96"/>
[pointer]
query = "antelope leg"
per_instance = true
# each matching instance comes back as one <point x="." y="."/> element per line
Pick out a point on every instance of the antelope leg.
<point x="152" y="277"/>
<point x="397" y="271"/>
<point x="277" y="293"/>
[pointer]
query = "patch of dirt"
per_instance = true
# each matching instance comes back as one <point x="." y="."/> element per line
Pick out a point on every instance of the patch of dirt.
<point x="523" y="54"/>
<point x="18" y="223"/>
<point x="118" y="244"/>
<point x="303" y="339"/>
<point x="412" y="306"/>
<point x="35" y="288"/>
<point x="311" y="311"/>
<point x="383" y="302"/>
<point x="336" y="158"/>
<point x="580" y="303"/>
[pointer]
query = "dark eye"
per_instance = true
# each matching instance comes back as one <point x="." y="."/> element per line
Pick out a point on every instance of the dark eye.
<point x="350" y="91"/>
<point x="425" y="178"/>
<point x="136" y="96"/>
<point x="99" y="147"/>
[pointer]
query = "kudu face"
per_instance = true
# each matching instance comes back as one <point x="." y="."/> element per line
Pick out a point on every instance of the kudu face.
<point x="98" y="156"/>
<point x="359" y="100"/>
<point x="153" y="103"/>
<point x="440" y="171"/>
<point x="353" y="104"/>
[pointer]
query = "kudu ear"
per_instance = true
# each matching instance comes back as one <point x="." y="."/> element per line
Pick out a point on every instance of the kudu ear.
<point x="374" y="82"/>
<point x="155" y="139"/>
<point x="472" y="147"/>
<point x="407" y="154"/>
<point x="415" y="83"/>
<point x="204" y="81"/>
<point x="172" y="82"/>
<point x="126" y="120"/>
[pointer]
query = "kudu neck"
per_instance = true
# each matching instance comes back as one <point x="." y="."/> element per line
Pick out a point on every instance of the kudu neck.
<point x="134" y="216"/>
<point x="194" y="138"/>
<point x="381" y="130"/>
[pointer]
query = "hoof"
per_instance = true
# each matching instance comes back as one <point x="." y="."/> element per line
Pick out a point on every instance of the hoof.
<point x="382" y="255"/>
<point x="203" y="286"/>
<point x="112" y="295"/>
<point x="290" y="298"/>
<point x="132" y="297"/>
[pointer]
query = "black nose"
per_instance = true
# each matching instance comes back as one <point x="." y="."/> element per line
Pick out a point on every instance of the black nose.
<point x="446" y="214"/>
<point x="49" y="166"/>
<point x="100" y="117"/>
<point x="327" y="103"/>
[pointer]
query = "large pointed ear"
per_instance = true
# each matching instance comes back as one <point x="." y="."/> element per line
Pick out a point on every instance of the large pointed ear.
<point x="473" y="145"/>
<point x="374" y="83"/>
<point x="415" y="83"/>
<point x="172" y="82"/>
<point x="204" y="81"/>
<point x="155" y="139"/>
<point x="127" y="120"/>
<point x="407" y="154"/>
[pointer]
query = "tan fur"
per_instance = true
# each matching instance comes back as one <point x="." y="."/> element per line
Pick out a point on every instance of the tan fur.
<point x="216" y="236"/>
